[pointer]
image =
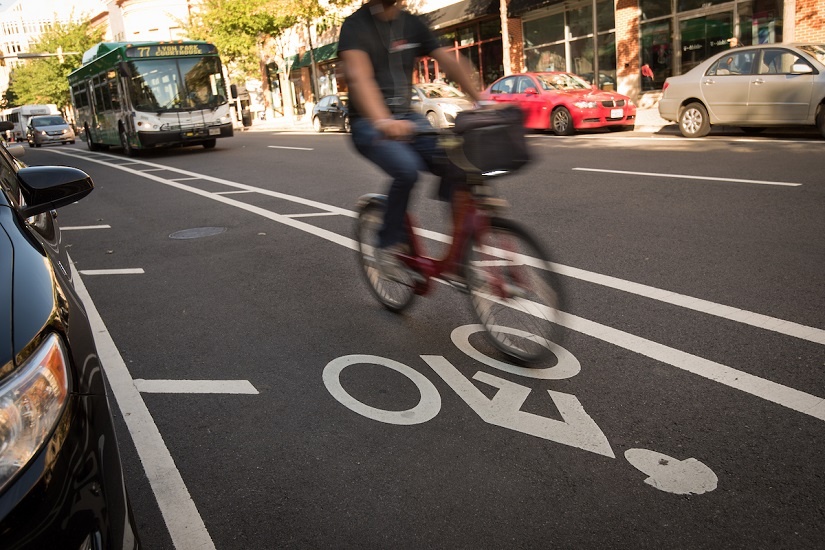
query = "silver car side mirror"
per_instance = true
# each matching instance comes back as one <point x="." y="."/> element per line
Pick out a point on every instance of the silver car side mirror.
<point x="801" y="68"/>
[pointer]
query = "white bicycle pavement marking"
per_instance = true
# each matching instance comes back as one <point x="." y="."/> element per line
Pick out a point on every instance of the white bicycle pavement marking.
<point x="754" y="385"/>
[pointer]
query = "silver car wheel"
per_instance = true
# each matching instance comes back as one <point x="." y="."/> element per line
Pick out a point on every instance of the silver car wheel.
<point x="692" y="120"/>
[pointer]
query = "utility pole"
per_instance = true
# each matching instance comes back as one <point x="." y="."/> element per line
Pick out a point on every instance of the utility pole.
<point x="505" y="38"/>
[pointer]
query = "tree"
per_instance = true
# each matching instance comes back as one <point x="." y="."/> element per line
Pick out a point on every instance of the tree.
<point x="45" y="80"/>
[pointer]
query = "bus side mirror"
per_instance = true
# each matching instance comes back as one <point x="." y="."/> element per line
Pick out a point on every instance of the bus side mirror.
<point x="233" y="90"/>
<point x="124" y="69"/>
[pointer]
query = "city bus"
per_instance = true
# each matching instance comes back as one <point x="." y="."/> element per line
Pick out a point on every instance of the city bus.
<point x="19" y="116"/>
<point x="143" y="95"/>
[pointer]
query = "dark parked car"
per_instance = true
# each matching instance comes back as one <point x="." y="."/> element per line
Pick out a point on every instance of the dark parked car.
<point x="46" y="129"/>
<point x="332" y="111"/>
<point x="752" y="87"/>
<point x="61" y="484"/>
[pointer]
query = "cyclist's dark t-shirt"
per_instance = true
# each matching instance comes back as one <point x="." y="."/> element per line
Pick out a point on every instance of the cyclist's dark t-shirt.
<point x="393" y="47"/>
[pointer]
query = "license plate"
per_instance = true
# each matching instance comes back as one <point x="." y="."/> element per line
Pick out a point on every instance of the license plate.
<point x="214" y="131"/>
<point x="616" y="113"/>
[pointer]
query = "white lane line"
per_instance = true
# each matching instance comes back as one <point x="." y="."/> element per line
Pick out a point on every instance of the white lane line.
<point x="231" y="192"/>
<point x="195" y="386"/>
<point x="183" y="179"/>
<point x="83" y="227"/>
<point x="312" y="215"/>
<point x="182" y="518"/>
<point x="127" y="271"/>
<point x="293" y="148"/>
<point x="758" y="320"/>
<point x="687" y="177"/>
<point x="154" y="170"/>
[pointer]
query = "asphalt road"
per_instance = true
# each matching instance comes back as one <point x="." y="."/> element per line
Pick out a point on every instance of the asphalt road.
<point x="265" y="400"/>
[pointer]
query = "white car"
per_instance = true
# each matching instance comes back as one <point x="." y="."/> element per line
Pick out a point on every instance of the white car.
<point x="440" y="103"/>
<point x="45" y="129"/>
<point x="751" y="87"/>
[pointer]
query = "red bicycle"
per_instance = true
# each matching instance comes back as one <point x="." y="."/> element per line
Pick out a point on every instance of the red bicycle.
<point x="513" y="292"/>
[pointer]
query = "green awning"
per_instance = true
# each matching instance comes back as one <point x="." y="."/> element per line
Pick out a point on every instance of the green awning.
<point x="323" y="53"/>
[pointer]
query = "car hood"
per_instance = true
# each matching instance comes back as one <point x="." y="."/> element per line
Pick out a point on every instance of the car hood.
<point x="28" y="291"/>
<point x="591" y="95"/>
<point x="451" y="100"/>
<point x="6" y="265"/>
<point x="52" y="128"/>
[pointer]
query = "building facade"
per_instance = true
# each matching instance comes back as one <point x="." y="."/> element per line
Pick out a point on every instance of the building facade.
<point x="630" y="46"/>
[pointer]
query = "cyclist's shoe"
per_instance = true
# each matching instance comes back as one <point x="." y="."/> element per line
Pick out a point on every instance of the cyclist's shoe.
<point x="392" y="268"/>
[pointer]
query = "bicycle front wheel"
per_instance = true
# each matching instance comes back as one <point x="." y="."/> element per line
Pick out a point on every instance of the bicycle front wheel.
<point x="395" y="296"/>
<point x="514" y="294"/>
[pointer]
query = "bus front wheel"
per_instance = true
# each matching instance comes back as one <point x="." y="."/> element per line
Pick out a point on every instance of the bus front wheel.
<point x="124" y="143"/>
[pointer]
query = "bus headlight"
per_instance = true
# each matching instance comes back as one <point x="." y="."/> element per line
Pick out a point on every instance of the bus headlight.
<point x="31" y="402"/>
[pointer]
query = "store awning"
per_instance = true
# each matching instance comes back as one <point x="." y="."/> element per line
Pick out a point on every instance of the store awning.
<point x="323" y="53"/>
<point x="460" y="12"/>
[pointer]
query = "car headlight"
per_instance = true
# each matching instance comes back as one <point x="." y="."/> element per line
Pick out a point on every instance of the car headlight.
<point x="449" y="108"/>
<point x="31" y="402"/>
<point x="44" y="133"/>
<point x="586" y="104"/>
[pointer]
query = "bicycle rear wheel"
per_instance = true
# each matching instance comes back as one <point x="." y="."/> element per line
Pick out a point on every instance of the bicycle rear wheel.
<point x="395" y="296"/>
<point x="513" y="291"/>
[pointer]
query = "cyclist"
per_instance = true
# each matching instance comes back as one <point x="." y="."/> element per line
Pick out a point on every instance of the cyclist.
<point x="379" y="45"/>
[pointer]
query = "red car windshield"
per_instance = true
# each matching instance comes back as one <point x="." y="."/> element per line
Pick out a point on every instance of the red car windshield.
<point x="562" y="81"/>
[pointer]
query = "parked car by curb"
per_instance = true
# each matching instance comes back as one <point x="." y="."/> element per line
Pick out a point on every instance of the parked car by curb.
<point x="440" y="103"/>
<point x="61" y="483"/>
<point x="751" y="87"/>
<point x="563" y="102"/>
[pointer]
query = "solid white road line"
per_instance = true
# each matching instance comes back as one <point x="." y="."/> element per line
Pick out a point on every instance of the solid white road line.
<point x="195" y="386"/>
<point x="687" y="177"/>
<point x="128" y="271"/>
<point x="311" y="215"/>
<point x="83" y="227"/>
<point x="231" y="192"/>
<point x="182" y="518"/>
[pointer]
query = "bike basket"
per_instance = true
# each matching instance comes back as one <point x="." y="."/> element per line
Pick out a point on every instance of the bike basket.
<point x="494" y="139"/>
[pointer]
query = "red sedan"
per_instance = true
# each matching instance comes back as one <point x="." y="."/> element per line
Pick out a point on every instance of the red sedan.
<point x="563" y="102"/>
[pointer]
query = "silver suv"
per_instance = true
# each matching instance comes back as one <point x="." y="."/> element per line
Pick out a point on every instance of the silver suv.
<point x="46" y="129"/>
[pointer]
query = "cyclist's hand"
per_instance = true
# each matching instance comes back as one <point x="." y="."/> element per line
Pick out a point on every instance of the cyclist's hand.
<point x="395" y="129"/>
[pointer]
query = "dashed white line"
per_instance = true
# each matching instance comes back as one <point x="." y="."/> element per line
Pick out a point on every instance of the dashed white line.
<point x="126" y="271"/>
<point x="293" y="148"/>
<point x="688" y="177"/>
<point x="84" y="227"/>
<point x="182" y="518"/>
<point x="311" y="215"/>
<point x="196" y="386"/>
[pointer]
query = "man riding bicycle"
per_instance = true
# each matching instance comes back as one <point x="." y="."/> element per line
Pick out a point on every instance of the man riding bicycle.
<point x="379" y="45"/>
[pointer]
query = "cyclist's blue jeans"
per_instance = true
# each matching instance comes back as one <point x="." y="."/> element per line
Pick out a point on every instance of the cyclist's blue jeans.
<point x="402" y="160"/>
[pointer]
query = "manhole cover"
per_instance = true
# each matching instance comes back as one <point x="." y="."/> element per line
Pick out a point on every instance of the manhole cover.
<point x="197" y="232"/>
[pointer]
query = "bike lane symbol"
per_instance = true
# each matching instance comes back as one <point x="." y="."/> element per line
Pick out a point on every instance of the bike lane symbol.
<point x="577" y="429"/>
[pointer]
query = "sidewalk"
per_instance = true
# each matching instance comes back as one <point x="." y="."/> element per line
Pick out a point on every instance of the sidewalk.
<point x="647" y="120"/>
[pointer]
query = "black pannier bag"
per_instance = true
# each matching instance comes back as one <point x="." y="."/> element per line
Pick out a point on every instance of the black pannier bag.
<point x="494" y="139"/>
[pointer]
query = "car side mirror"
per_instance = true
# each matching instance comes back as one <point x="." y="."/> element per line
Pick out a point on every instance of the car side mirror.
<point x="233" y="91"/>
<point x="801" y="68"/>
<point x="5" y="126"/>
<point x="50" y="187"/>
<point x="124" y="69"/>
<point x="531" y="91"/>
<point x="416" y="98"/>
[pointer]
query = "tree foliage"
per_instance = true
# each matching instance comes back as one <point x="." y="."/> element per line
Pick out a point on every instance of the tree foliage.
<point x="239" y="27"/>
<point x="44" y="80"/>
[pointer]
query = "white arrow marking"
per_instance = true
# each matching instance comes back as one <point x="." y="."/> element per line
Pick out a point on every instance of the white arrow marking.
<point x="576" y="430"/>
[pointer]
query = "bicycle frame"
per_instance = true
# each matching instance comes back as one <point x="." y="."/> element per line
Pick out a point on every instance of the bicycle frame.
<point x="468" y="219"/>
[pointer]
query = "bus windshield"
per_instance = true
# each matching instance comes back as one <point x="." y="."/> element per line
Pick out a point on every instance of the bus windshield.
<point x="182" y="84"/>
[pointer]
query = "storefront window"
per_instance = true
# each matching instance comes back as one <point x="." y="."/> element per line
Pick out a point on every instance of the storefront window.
<point x="761" y="24"/>
<point x="448" y="39"/>
<point x="581" y="53"/>
<point x="467" y="36"/>
<point x="547" y="58"/>
<point x="607" y="61"/>
<point x="544" y="30"/>
<point x="490" y="29"/>
<point x="652" y="9"/>
<point x="703" y="37"/>
<point x="687" y="5"/>
<point x="580" y="21"/>
<point x="657" y="54"/>
<point x="605" y="15"/>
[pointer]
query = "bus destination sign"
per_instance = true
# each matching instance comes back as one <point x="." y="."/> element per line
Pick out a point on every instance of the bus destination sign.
<point x="170" y="50"/>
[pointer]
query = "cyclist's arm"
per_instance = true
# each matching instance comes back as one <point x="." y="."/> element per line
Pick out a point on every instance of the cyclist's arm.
<point x="369" y="100"/>
<point x="456" y="71"/>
